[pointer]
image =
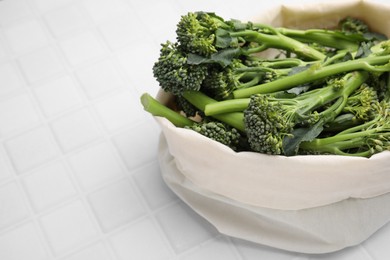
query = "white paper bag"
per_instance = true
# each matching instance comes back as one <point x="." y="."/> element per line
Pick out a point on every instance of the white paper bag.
<point x="313" y="230"/>
<point x="311" y="204"/>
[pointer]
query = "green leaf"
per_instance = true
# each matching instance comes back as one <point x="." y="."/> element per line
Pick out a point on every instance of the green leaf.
<point x="363" y="50"/>
<point x="223" y="57"/>
<point x="298" y="69"/>
<point x="348" y="56"/>
<point x="299" y="135"/>
<point x="224" y="40"/>
<point x="371" y="36"/>
<point x="195" y="59"/>
<point x="238" y="25"/>
<point x="299" y="89"/>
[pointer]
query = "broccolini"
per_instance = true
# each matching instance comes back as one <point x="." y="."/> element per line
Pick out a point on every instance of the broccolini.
<point x="325" y="90"/>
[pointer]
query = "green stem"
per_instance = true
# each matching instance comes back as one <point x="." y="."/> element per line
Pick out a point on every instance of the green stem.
<point x="285" y="63"/>
<point x="316" y="72"/>
<point x="304" y="103"/>
<point x="226" y="106"/>
<point x="329" y="38"/>
<point x="255" y="80"/>
<point x="354" y="81"/>
<point x="330" y="144"/>
<point x="155" y="108"/>
<point x="337" y="148"/>
<point x="200" y="100"/>
<point x="280" y="41"/>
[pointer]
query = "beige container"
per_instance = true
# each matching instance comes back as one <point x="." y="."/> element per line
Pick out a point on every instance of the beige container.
<point x="309" y="204"/>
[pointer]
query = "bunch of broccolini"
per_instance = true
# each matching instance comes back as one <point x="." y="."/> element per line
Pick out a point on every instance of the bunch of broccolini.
<point x="326" y="91"/>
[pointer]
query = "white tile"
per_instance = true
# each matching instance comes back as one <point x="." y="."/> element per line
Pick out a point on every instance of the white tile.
<point x="142" y="77"/>
<point x="4" y="53"/>
<point x="378" y="244"/>
<point x="82" y="47"/>
<point x="21" y="243"/>
<point x="49" y="185"/>
<point x="116" y="205"/>
<point x="165" y="27"/>
<point x="41" y="64"/>
<point x="192" y="6"/>
<point x="152" y="186"/>
<point x="67" y="20"/>
<point x="95" y="252"/>
<point x="10" y="78"/>
<point x="216" y="249"/>
<point x="138" y="146"/>
<point x="120" y="32"/>
<point x="17" y="113"/>
<point x="75" y="129"/>
<point x="68" y="227"/>
<point x="13" y="10"/>
<point x="31" y="149"/>
<point x="95" y="165"/>
<point x="120" y="110"/>
<point x="135" y="242"/>
<point x="183" y="227"/>
<point x="25" y="36"/>
<point x="101" y="10"/>
<point x="48" y="5"/>
<point x="100" y="78"/>
<point x="58" y="95"/>
<point x="350" y="253"/>
<point x="5" y="170"/>
<point x="13" y="207"/>
<point x="252" y="251"/>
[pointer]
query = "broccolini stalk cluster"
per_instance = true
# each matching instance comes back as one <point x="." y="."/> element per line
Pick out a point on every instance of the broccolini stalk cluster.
<point x="326" y="90"/>
<point x="362" y="140"/>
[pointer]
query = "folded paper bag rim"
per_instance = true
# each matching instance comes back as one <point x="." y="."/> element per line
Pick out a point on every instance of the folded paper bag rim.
<point x="275" y="182"/>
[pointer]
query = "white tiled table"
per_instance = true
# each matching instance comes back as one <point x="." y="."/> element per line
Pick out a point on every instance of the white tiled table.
<point x="79" y="179"/>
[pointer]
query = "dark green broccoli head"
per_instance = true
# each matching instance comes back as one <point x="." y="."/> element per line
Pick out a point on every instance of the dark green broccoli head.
<point x="274" y="74"/>
<point x="220" y="83"/>
<point x="218" y="131"/>
<point x="362" y="102"/>
<point x="173" y="72"/>
<point x="266" y="125"/>
<point x="380" y="82"/>
<point x="381" y="49"/>
<point x="196" y="32"/>
<point x="186" y="107"/>
<point x="352" y="25"/>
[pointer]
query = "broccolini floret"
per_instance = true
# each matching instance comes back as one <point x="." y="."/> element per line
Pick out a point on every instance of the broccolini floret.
<point x="218" y="131"/>
<point x="197" y="32"/>
<point x="362" y="103"/>
<point x="353" y="25"/>
<point x="186" y="107"/>
<point x="173" y="72"/>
